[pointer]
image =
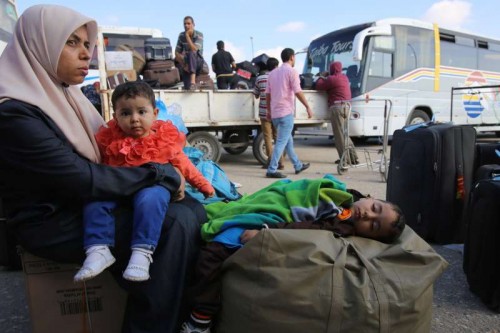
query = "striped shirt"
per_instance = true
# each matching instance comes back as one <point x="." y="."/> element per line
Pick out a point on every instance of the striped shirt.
<point x="260" y="90"/>
<point x="182" y="44"/>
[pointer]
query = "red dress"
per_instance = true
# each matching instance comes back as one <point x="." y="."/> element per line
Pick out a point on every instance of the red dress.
<point x="163" y="145"/>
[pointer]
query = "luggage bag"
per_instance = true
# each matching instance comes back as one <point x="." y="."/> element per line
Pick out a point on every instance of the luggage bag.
<point x="158" y="48"/>
<point x="482" y="249"/>
<point x="430" y="176"/>
<point x="488" y="171"/>
<point x="486" y="154"/>
<point x="161" y="73"/>
<point x="301" y="281"/>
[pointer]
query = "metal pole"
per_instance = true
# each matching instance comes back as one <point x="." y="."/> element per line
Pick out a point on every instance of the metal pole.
<point x="251" y="41"/>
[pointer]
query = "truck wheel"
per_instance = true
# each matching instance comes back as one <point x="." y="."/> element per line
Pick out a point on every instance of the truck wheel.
<point x="207" y="143"/>
<point x="418" y="116"/>
<point x="238" y="141"/>
<point x="259" y="149"/>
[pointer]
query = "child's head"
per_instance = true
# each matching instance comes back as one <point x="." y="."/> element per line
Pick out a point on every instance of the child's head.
<point x="377" y="219"/>
<point x="134" y="108"/>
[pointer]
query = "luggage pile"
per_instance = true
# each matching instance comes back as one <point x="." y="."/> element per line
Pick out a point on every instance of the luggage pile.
<point x="448" y="187"/>
<point x="482" y="248"/>
<point x="160" y="70"/>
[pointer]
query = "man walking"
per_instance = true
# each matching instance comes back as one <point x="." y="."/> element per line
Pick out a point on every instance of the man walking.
<point x="223" y="65"/>
<point x="283" y="85"/>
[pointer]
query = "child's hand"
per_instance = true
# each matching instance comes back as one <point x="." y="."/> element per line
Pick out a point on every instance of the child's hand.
<point x="247" y="235"/>
<point x="209" y="195"/>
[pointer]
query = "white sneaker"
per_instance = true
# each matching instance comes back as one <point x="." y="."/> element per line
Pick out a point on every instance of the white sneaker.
<point x="187" y="328"/>
<point x="138" y="265"/>
<point x="98" y="259"/>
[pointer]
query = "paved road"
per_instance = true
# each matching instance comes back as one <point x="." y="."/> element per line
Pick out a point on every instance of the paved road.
<point x="455" y="308"/>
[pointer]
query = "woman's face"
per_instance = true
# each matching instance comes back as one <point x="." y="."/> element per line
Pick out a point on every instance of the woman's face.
<point x="75" y="58"/>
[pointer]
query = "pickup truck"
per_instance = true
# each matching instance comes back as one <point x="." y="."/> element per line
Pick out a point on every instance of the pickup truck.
<point x="215" y="119"/>
<point x="227" y="119"/>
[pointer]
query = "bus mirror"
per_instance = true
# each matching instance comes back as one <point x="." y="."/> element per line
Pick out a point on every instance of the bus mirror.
<point x="359" y="39"/>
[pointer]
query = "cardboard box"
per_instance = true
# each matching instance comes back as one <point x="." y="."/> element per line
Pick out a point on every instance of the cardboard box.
<point x="118" y="60"/>
<point x="57" y="304"/>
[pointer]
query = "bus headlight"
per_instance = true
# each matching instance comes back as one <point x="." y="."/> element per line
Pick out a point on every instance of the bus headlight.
<point x="355" y="115"/>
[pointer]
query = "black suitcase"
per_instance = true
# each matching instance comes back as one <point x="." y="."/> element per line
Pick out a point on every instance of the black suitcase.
<point x="486" y="154"/>
<point x="158" y="48"/>
<point x="488" y="171"/>
<point x="482" y="249"/>
<point x="430" y="176"/>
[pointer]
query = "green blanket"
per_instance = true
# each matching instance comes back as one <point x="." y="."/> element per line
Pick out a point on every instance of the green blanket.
<point x="282" y="201"/>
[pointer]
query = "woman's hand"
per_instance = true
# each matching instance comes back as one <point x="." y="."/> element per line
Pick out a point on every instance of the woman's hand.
<point x="247" y="235"/>
<point x="180" y="193"/>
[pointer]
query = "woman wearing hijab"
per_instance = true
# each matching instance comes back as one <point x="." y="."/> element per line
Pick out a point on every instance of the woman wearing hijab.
<point x="49" y="164"/>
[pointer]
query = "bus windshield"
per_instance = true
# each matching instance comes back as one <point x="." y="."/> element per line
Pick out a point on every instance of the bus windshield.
<point x="336" y="46"/>
<point x="8" y="20"/>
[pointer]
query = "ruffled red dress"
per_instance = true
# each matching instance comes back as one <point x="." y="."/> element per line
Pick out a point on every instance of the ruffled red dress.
<point x="163" y="145"/>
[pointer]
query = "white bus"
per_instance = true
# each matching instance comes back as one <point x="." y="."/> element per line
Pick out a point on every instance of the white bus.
<point x="8" y="18"/>
<point x="414" y="64"/>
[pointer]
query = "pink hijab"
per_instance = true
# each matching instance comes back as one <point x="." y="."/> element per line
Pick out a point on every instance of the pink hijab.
<point x="29" y="66"/>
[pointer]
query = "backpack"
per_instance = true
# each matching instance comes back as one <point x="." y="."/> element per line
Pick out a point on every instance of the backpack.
<point x="225" y="190"/>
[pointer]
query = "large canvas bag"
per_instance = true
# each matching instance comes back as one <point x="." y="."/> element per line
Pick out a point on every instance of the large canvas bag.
<point x="298" y="281"/>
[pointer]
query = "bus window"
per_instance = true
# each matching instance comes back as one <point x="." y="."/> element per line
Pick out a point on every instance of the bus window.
<point x="414" y="49"/>
<point x="489" y="59"/>
<point x="380" y="64"/>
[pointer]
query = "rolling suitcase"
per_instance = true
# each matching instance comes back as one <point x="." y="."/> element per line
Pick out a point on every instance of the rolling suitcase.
<point x="158" y="48"/>
<point x="488" y="171"/>
<point x="161" y="73"/>
<point x="486" y="153"/>
<point x="430" y="175"/>
<point x="482" y="249"/>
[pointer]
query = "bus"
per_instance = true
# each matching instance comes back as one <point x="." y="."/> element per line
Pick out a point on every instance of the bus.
<point x="415" y="65"/>
<point x="8" y="18"/>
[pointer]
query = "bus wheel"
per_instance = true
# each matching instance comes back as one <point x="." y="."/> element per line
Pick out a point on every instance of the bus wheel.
<point x="259" y="149"/>
<point x="418" y="116"/>
<point x="207" y="143"/>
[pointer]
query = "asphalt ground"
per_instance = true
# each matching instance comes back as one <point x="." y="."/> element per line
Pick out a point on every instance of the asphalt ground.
<point x="455" y="308"/>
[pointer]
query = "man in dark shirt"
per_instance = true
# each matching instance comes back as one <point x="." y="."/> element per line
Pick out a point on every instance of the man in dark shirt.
<point x="223" y="65"/>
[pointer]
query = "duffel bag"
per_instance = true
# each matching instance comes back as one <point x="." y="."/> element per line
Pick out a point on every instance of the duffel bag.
<point x="298" y="281"/>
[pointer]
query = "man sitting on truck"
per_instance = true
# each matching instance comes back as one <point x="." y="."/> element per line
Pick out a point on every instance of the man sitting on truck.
<point x="189" y="53"/>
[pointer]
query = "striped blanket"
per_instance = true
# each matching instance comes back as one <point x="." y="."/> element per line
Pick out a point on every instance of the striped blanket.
<point x="283" y="201"/>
